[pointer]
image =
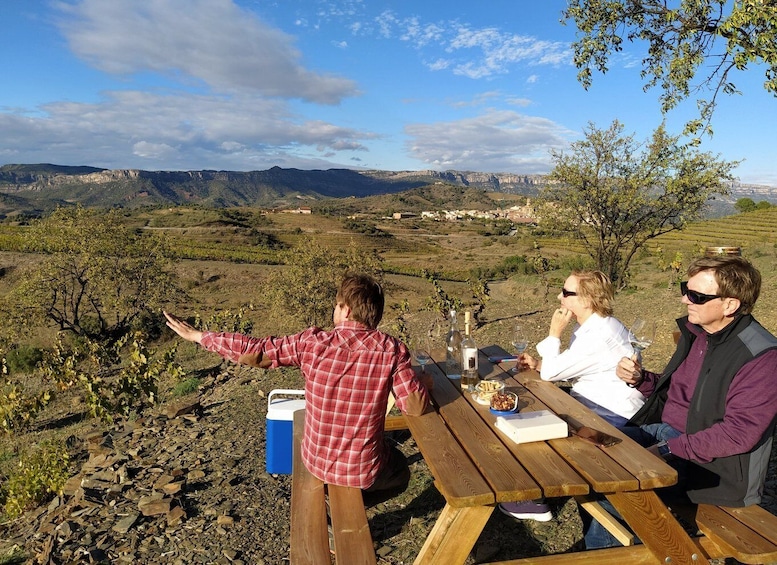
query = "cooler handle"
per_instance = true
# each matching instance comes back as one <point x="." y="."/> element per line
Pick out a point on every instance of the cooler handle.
<point x="284" y="391"/>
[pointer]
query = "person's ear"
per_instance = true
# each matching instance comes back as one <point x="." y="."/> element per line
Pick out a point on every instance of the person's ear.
<point x="345" y="311"/>
<point x="731" y="305"/>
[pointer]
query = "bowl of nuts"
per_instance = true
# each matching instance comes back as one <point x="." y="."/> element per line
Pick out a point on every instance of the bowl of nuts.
<point x="503" y="403"/>
<point x="484" y="390"/>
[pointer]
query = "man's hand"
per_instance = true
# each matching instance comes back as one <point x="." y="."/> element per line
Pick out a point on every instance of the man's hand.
<point x="629" y="370"/>
<point x="186" y="331"/>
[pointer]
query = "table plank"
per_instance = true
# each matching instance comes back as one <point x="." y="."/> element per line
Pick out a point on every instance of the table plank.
<point x="551" y="472"/>
<point x="456" y="477"/>
<point x="650" y="471"/>
<point x="507" y="477"/>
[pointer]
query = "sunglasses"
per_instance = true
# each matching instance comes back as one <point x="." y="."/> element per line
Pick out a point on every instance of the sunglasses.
<point x="568" y="293"/>
<point x="696" y="297"/>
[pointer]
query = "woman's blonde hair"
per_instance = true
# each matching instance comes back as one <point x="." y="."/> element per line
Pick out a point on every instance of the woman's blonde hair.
<point x="595" y="288"/>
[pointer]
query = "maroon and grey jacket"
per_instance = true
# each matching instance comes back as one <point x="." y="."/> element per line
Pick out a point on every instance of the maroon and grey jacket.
<point x="735" y="480"/>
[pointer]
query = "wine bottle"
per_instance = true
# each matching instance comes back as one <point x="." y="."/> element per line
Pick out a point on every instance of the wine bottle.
<point x="453" y="345"/>
<point x="469" y="356"/>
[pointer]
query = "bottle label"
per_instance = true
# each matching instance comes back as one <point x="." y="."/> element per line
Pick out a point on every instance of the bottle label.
<point x="470" y="356"/>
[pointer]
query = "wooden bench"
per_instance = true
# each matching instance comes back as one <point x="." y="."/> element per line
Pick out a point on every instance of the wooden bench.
<point x="747" y="534"/>
<point x="309" y="536"/>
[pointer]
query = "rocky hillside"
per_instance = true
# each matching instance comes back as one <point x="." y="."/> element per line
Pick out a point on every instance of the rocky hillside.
<point x="34" y="189"/>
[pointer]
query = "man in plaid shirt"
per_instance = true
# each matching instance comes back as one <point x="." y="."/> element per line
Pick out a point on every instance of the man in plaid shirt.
<point x="349" y="373"/>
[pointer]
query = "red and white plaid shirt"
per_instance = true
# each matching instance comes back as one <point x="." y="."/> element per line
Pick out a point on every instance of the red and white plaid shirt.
<point x="348" y="372"/>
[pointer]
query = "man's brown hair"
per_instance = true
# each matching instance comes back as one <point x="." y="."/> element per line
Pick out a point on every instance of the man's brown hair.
<point x="736" y="278"/>
<point x="364" y="296"/>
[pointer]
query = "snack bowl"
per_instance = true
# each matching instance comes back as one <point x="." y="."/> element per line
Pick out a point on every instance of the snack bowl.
<point x="486" y="389"/>
<point x="503" y="403"/>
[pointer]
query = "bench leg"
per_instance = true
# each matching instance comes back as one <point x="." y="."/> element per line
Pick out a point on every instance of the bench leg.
<point x="454" y="535"/>
<point x="309" y="539"/>
<point x="652" y="521"/>
<point x="353" y="541"/>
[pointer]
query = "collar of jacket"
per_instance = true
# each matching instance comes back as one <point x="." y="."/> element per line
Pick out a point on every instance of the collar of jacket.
<point x="740" y="322"/>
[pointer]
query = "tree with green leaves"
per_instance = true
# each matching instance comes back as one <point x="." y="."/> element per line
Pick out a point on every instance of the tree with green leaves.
<point x="745" y="205"/>
<point x="615" y="194"/>
<point x="95" y="278"/>
<point x="303" y="294"/>
<point x="714" y="37"/>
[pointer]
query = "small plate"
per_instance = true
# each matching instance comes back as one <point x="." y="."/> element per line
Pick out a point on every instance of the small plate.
<point x="502" y="412"/>
<point x="483" y="401"/>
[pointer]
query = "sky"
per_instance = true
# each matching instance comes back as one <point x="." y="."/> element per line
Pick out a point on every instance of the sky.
<point x="319" y="84"/>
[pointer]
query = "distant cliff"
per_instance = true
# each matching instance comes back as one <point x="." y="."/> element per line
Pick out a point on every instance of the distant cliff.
<point x="36" y="188"/>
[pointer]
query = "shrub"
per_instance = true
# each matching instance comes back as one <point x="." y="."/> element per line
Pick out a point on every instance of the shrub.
<point x="109" y="386"/>
<point x="23" y="359"/>
<point x="41" y="472"/>
<point x="186" y="386"/>
<point x="17" y="407"/>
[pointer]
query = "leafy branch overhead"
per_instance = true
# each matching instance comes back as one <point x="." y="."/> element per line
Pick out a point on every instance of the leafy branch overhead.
<point x="716" y="37"/>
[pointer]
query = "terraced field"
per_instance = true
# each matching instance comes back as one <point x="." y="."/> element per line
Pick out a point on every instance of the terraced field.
<point x="743" y="230"/>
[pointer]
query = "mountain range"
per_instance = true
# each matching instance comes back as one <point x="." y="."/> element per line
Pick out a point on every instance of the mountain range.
<point x="32" y="190"/>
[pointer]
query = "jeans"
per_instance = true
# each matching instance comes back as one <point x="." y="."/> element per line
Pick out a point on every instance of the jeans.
<point x="596" y="536"/>
<point x="607" y="415"/>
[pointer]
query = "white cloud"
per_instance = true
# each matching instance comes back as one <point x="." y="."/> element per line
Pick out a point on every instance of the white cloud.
<point x="498" y="141"/>
<point x="137" y="129"/>
<point x="231" y="51"/>
<point x="501" y="50"/>
<point x="476" y="53"/>
<point x="522" y="102"/>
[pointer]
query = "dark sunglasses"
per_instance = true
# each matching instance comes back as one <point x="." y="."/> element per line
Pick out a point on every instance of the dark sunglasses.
<point x="567" y="293"/>
<point x="696" y="297"/>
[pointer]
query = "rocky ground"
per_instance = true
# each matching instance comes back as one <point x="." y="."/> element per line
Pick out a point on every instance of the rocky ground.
<point x="186" y="483"/>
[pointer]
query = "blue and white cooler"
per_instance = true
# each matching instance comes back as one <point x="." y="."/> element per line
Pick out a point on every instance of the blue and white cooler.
<point x="280" y="432"/>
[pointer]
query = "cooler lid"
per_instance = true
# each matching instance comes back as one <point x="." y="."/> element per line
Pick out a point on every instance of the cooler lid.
<point x="284" y="408"/>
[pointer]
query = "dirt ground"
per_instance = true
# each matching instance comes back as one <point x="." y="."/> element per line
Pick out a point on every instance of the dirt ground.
<point x="233" y="420"/>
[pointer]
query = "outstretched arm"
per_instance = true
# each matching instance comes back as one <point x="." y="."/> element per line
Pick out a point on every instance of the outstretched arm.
<point x="186" y="331"/>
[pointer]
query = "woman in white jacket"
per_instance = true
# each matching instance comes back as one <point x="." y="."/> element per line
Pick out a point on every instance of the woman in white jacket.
<point x="598" y="342"/>
<point x="597" y="345"/>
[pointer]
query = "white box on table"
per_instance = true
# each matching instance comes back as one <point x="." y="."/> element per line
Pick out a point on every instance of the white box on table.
<point x="532" y="426"/>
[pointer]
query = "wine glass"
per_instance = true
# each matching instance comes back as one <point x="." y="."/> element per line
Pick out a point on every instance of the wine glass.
<point x="422" y="357"/>
<point x="642" y="334"/>
<point x="520" y="343"/>
<point x="421" y="353"/>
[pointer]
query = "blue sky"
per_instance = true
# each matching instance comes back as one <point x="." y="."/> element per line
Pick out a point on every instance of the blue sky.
<point x="396" y="85"/>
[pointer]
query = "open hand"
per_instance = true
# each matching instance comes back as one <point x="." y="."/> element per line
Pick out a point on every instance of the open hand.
<point x="183" y="329"/>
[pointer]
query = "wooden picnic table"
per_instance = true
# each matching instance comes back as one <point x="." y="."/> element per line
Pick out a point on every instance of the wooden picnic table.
<point x="475" y="466"/>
